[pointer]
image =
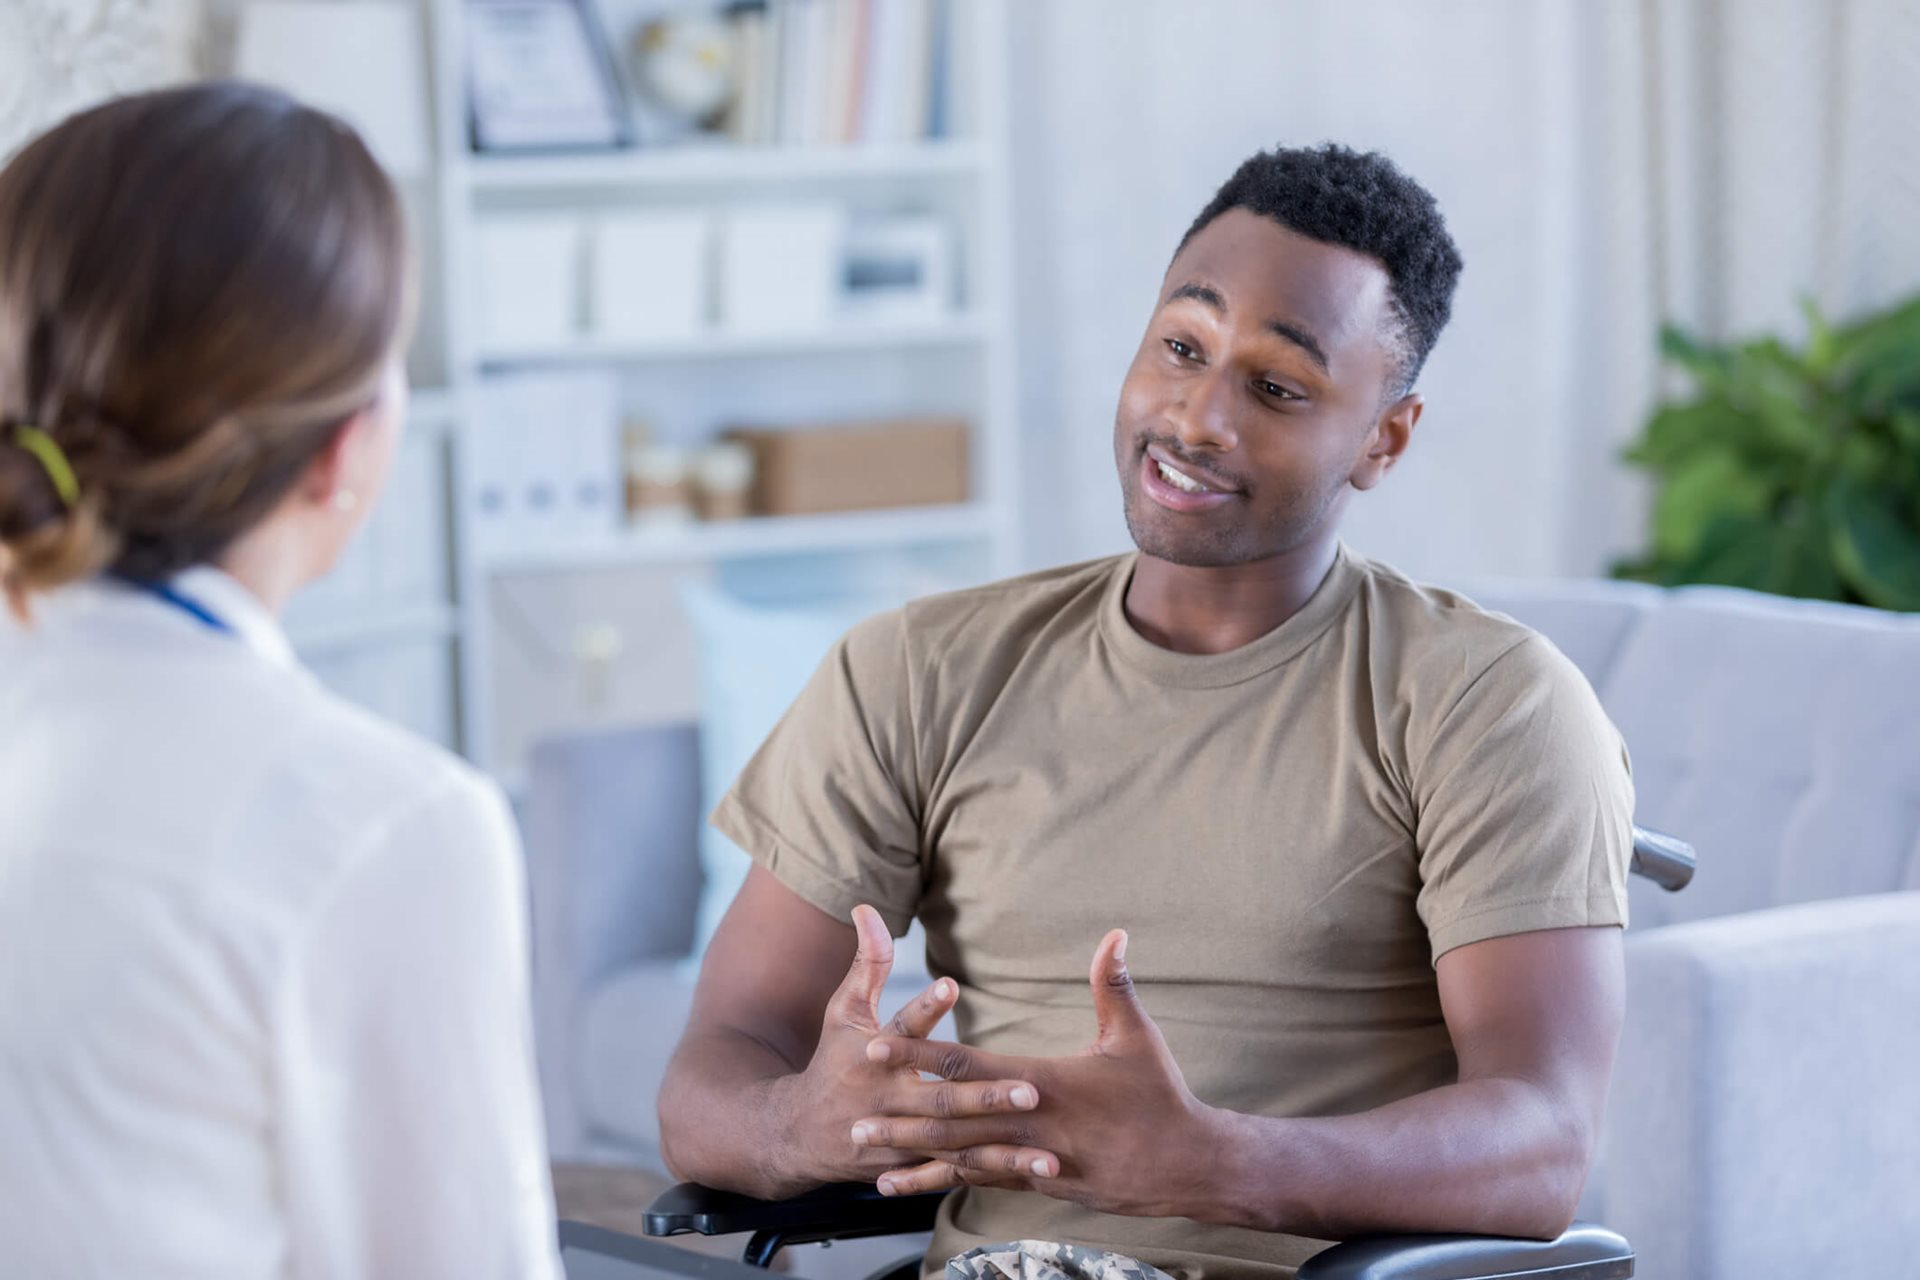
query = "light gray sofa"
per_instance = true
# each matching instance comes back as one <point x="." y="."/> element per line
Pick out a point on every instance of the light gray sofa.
<point x="1765" y="1118"/>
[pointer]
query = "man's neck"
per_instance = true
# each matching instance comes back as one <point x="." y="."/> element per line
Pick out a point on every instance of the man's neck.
<point x="1216" y="610"/>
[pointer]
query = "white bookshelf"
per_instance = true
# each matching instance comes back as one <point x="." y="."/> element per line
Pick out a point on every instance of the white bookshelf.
<point x="960" y="330"/>
<point x="761" y="537"/>
<point x="708" y="164"/>
<point x="966" y="356"/>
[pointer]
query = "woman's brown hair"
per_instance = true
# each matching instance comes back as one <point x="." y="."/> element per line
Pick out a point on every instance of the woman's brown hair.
<point x="198" y="288"/>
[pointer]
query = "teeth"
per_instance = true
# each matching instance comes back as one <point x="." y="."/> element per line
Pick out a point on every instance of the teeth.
<point x="1178" y="480"/>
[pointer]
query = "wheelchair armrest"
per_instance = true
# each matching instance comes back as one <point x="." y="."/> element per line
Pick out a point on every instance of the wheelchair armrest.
<point x="1666" y="860"/>
<point x="839" y="1211"/>
<point x="1583" y="1252"/>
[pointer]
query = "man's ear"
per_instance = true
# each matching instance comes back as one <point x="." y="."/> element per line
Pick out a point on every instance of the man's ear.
<point x="1389" y="439"/>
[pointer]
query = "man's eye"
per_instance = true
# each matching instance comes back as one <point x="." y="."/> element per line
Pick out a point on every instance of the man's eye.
<point x="1180" y="348"/>
<point x="1275" y="390"/>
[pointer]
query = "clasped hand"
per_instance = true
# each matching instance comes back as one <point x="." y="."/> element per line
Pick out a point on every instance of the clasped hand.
<point x="1115" y="1128"/>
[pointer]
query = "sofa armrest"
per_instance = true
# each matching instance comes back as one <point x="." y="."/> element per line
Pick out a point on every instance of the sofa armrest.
<point x="613" y="870"/>
<point x="1583" y="1252"/>
<point x="1765" y="1101"/>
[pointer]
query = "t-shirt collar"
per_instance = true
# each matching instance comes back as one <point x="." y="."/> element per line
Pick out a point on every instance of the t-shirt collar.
<point x="1218" y="670"/>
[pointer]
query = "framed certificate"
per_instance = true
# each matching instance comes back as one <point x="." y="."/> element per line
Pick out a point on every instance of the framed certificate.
<point x="540" y="78"/>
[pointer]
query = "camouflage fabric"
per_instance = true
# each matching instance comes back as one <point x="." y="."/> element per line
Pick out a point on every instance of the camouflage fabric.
<point x="1045" y="1260"/>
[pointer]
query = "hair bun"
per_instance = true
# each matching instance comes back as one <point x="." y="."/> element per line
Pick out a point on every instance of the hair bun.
<point x="44" y="542"/>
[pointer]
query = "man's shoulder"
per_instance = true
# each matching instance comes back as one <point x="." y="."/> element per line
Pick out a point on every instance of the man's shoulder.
<point x="1437" y="637"/>
<point x="979" y="628"/>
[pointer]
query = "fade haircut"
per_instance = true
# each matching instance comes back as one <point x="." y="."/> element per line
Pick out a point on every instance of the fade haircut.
<point x="1359" y="201"/>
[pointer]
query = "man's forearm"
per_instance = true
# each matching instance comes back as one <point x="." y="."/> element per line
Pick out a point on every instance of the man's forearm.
<point x="725" y="1121"/>
<point x="1494" y="1156"/>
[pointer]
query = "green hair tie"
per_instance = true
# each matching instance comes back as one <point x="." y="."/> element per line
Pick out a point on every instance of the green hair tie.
<point x="52" y="457"/>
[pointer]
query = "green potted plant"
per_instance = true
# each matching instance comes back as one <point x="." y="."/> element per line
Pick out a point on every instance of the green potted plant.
<point x="1791" y="471"/>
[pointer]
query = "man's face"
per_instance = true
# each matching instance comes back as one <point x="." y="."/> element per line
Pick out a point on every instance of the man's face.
<point x="1256" y="398"/>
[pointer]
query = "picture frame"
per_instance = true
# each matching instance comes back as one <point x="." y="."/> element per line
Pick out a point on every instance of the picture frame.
<point x="541" y="77"/>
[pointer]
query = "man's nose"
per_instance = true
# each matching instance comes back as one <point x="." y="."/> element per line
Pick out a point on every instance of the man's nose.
<point x="1203" y="418"/>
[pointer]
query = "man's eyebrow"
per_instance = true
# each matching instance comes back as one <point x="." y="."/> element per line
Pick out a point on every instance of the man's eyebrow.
<point x="1209" y="297"/>
<point x="1302" y="339"/>
<point x="1205" y="294"/>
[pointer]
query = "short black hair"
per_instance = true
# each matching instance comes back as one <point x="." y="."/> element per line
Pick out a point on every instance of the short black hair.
<point x="1360" y="201"/>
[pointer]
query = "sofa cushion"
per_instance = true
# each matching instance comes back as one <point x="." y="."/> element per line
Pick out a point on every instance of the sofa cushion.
<point x="628" y="1030"/>
<point x="1779" y="736"/>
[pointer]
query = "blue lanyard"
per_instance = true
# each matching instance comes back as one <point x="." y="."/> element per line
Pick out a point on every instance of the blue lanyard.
<point x="192" y="608"/>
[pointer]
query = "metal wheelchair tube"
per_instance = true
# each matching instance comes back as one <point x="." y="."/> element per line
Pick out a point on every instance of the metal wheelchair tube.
<point x="1666" y="860"/>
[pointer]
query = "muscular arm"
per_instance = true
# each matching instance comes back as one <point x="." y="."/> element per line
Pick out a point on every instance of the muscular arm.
<point x="1535" y="1019"/>
<point x="769" y="972"/>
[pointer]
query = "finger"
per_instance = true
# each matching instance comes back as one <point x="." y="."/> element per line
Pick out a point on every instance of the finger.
<point x="1001" y="1162"/>
<point x="926" y="1134"/>
<point x="920" y="1015"/>
<point x="1116" y="1005"/>
<point x="857" y="1001"/>
<point x="943" y="1058"/>
<point x="947" y="1099"/>
<point x="934" y="1175"/>
<point x="943" y="1174"/>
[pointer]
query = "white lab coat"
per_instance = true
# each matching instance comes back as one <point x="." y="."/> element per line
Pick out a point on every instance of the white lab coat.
<point x="263" y="967"/>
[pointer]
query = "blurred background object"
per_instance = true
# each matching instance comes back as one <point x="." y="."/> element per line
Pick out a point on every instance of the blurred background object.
<point x="360" y="59"/>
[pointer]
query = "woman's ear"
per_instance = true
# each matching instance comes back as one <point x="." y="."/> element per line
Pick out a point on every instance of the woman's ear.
<point x="1389" y="439"/>
<point x="330" y="474"/>
<point x="352" y="468"/>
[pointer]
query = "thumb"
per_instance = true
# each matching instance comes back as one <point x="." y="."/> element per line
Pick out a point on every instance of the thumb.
<point x="1115" y="1003"/>
<point x="859" y="994"/>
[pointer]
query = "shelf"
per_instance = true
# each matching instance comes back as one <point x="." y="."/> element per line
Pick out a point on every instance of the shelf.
<point x="750" y="539"/>
<point x="707" y="165"/>
<point x="364" y="629"/>
<point x="964" y="329"/>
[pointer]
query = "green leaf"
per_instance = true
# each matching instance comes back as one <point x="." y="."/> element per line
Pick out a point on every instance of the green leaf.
<point x="1701" y="489"/>
<point x="1697" y="358"/>
<point x="1876" y="549"/>
<point x="1823" y="345"/>
<point x="1865" y="458"/>
<point x="1880" y="359"/>
<point x="1789" y="557"/>
<point x="1733" y="550"/>
<point x="1783" y="421"/>
<point x="1905" y="424"/>
<point x="1676" y="431"/>
<point x="1803" y="557"/>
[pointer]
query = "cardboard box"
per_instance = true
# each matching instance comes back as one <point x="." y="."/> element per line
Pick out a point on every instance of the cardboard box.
<point x="857" y="466"/>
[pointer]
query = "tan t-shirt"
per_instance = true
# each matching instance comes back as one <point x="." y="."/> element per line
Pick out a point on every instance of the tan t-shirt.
<point x="1291" y="832"/>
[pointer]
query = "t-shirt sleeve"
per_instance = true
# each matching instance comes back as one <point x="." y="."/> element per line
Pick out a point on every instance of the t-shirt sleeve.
<point x="830" y="803"/>
<point x="1524" y="806"/>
